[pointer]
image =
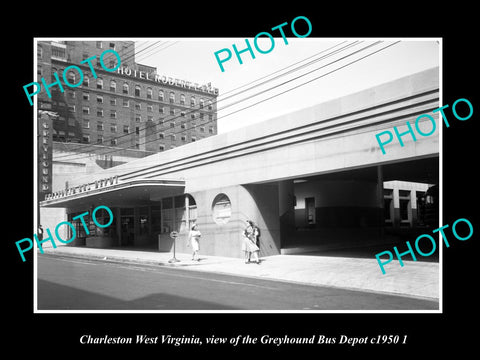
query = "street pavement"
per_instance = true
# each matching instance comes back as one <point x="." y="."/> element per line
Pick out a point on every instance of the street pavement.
<point x="415" y="279"/>
<point x="66" y="283"/>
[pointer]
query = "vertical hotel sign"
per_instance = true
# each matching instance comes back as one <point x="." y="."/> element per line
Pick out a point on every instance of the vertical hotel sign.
<point x="45" y="137"/>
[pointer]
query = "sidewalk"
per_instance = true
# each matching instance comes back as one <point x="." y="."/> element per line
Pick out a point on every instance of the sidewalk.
<point x="415" y="279"/>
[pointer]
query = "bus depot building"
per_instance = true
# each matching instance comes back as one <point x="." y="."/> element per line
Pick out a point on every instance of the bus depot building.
<point x="310" y="179"/>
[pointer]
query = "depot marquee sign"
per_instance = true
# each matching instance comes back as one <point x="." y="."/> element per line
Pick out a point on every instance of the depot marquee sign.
<point x="83" y="188"/>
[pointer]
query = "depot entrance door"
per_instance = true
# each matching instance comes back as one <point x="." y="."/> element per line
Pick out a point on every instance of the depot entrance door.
<point x="127" y="227"/>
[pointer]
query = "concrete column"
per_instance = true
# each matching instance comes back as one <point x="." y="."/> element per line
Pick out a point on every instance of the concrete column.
<point x="286" y="205"/>
<point x="381" y="203"/>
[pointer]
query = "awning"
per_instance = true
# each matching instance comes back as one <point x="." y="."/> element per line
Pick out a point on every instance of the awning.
<point x="131" y="193"/>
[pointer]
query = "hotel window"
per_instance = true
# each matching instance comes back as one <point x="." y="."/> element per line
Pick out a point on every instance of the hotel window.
<point x="172" y="124"/>
<point x="149" y="118"/>
<point x="202" y="103"/>
<point x="113" y="128"/>
<point x="86" y="110"/>
<point x="182" y="113"/>
<point x="100" y="125"/>
<point x="221" y="209"/>
<point x="202" y="129"/>
<point x="113" y="114"/>
<point x="99" y="139"/>
<point x="210" y="130"/>
<point x="125" y="88"/>
<point x="112" y="46"/>
<point x="210" y="117"/>
<point x="137" y="130"/>
<point x="182" y="99"/>
<point x="161" y="148"/>
<point x="99" y="83"/>
<point x="172" y="111"/>
<point x="194" y="139"/>
<point x="201" y="116"/>
<point x="99" y="99"/>
<point x="99" y="45"/>
<point x="149" y="93"/>
<point x="113" y="101"/>
<point x="100" y="112"/>
<point x="193" y="116"/>
<point x="86" y="138"/>
<point x="210" y="107"/>
<point x="86" y="81"/>
<point x="184" y="138"/>
<point x="86" y="96"/>
<point x="183" y="126"/>
<point x="113" y="86"/>
<point x="125" y="103"/>
<point x="149" y="108"/>
<point x="173" y="137"/>
<point x="192" y="101"/>
<point x="137" y="90"/>
<point x="71" y="78"/>
<point x="161" y="110"/>
<point x="172" y="97"/>
<point x="138" y="118"/>
<point x="126" y="129"/>
<point x="71" y="108"/>
<point x="161" y="95"/>
<point x="138" y="106"/>
<point x="86" y="124"/>
<point x="161" y="136"/>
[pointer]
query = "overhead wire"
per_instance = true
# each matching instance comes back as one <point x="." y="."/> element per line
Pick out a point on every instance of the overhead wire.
<point x="223" y="99"/>
<point x="271" y="97"/>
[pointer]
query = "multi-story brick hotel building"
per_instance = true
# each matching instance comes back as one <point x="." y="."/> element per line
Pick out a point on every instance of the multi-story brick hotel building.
<point x="132" y="107"/>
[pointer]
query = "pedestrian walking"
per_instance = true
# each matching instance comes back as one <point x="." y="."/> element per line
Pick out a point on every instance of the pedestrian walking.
<point x="194" y="240"/>
<point x="249" y="245"/>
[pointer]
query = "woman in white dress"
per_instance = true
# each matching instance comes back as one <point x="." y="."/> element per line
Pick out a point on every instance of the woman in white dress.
<point x="194" y="238"/>
<point x="249" y="245"/>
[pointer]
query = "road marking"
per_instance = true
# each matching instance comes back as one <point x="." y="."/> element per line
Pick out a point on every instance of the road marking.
<point x="73" y="261"/>
<point x="192" y="277"/>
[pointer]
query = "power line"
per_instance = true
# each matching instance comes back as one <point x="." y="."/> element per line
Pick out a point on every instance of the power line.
<point x="217" y="101"/>
<point x="271" y="97"/>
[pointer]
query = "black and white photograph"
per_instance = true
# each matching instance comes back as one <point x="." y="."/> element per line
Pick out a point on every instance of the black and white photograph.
<point x="243" y="183"/>
<point x="187" y="190"/>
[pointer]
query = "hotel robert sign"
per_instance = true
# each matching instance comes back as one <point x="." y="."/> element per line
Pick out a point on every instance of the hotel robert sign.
<point x="167" y="80"/>
<point x="83" y="188"/>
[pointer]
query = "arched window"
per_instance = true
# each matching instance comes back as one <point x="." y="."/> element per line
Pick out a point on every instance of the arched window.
<point x="221" y="209"/>
<point x="113" y="85"/>
<point x="161" y="95"/>
<point x="182" y="99"/>
<point x="202" y="103"/>
<point x="172" y="97"/>
<point x="192" y="101"/>
<point x="149" y="93"/>
<point x="137" y="90"/>
<point x="99" y="83"/>
<point x="125" y="88"/>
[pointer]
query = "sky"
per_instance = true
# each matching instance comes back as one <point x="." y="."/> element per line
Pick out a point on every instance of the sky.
<point x="241" y="86"/>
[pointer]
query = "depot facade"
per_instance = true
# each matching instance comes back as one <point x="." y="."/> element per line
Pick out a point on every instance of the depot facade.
<point x="309" y="179"/>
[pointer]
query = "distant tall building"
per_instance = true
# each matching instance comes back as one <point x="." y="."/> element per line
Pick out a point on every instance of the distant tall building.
<point x="131" y="107"/>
